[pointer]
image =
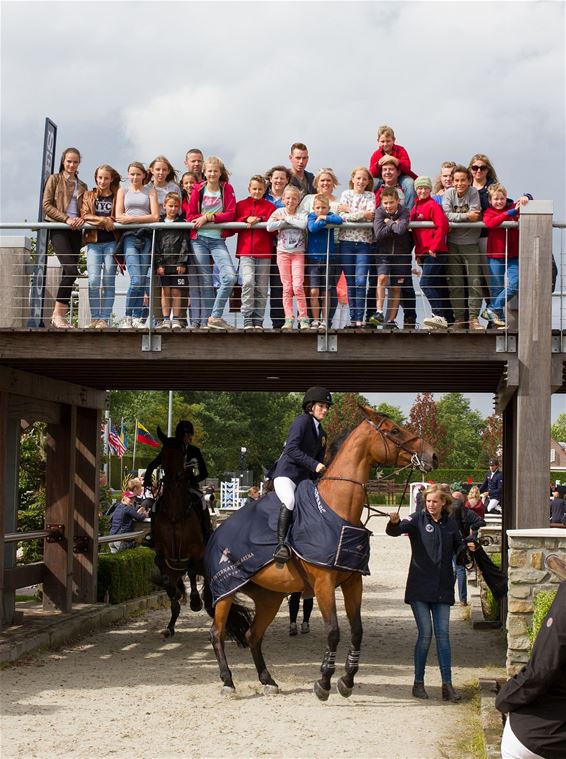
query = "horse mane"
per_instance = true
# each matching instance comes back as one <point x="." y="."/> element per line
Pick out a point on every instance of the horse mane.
<point x="340" y="439"/>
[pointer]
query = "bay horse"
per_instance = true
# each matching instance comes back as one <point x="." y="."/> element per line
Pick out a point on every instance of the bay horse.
<point x="377" y="439"/>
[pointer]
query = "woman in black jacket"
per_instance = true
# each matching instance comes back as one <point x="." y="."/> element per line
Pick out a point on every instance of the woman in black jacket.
<point x="435" y="538"/>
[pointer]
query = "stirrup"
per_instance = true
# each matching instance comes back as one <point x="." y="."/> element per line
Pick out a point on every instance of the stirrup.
<point x="282" y="554"/>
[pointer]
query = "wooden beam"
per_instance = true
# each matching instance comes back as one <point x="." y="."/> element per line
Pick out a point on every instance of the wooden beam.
<point x="59" y="508"/>
<point x="34" y="386"/>
<point x="21" y="577"/>
<point x="507" y="385"/>
<point x="33" y="409"/>
<point x="535" y="358"/>
<point x="87" y="456"/>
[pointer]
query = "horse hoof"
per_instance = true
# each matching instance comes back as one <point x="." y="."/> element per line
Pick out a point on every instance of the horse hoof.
<point x="228" y="691"/>
<point x="270" y="690"/>
<point x="320" y="692"/>
<point x="343" y="689"/>
<point x="167" y="633"/>
<point x="195" y="603"/>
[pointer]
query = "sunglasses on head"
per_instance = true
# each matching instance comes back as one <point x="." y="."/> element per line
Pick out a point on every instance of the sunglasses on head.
<point x="475" y="167"/>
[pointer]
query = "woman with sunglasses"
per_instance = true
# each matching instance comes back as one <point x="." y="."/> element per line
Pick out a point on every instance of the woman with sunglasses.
<point x="483" y="175"/>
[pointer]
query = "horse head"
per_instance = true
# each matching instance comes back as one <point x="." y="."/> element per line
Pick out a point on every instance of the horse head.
<point x="171" y="456"/>
<point x="393" y="445"/>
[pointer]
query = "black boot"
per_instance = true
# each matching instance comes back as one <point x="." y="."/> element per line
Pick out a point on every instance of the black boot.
<point x="449" y="694"/>
<point x="282" y="553"/>
<point x="419" y="691"/>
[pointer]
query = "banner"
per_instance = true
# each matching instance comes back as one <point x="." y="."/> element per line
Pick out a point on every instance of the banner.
<point x="143" y="436"/>
<point x="115" y="442"/>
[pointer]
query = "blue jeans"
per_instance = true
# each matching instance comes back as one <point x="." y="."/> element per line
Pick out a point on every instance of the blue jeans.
<point x="426" y="616"/>
<point x="137" y="252"/>
<point x="101" y="268"/>
<point x="355" y="264"/>
<point x="499" y="295"/>
<point x="407" y="184"/>
<point x="462" y="579"/>
<point x="203" y="249"/>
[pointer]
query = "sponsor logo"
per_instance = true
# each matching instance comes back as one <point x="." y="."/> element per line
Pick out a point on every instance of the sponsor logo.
<point x="429" y="528"/>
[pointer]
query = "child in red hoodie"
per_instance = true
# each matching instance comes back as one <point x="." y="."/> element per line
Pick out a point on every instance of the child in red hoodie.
<point x="431" y="252"/>
<point x="254" y="249"/>
<point x="501" y="209"/>
<point x="388" y="147"/>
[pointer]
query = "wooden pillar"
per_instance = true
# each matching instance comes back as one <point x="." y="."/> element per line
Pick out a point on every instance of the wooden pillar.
<point x="3" y="464"/>
<point x="86" y="505"/>
<point x="59" y="508"/>
<point x="535" y="361"/>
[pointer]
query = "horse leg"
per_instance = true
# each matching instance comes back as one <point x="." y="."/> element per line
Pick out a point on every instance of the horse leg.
<point x="325" y="596"/>
<point x="174" y="594"/>
<point x="352" y="592"/>
<point x="195" y="601"/>
<point x="217" y="636"/>
<point x="267" y="604"/>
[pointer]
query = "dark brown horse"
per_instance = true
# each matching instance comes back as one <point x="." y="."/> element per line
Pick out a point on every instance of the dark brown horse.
<point x="343" y="487"/>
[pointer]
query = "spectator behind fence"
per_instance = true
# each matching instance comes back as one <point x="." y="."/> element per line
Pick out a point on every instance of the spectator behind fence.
<point x="254" y="249"/>
<point x="278" y="177"/>
<point x="213" y="201"/>
<point x="535" y="699"/>
<point x="299" y="158"/>
<point x="320" y="252"/>
<point x="357" y="204"/>
<point x="388" y="147"/>
<point x="194" y="163"/>
<point x="461" y="203"/>
<point x="99" y="211"/>
<point x="123" y="518"/>
<point x="443" y="181"/>
<point x="171" y="257"/>
<point x="136" y="205"/>
<point x="502" y="251"/>
<point x="163" y="178"/>
<point x="193" y="303"/>
<point x="290" y="225"/>
<point x="62" y="202"/>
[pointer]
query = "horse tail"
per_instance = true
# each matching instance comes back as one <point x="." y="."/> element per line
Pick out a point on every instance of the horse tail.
<point x="238" y="624"/>
<point x="239" y="617"/>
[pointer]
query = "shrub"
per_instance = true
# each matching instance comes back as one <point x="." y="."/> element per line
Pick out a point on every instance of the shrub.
<point x="491" y="610"/>
<point x="126" y="574"/>
<point x="541" y="605"/>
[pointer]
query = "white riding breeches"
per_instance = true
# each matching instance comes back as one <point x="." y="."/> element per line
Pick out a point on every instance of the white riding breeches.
<point x="285" y="489"/>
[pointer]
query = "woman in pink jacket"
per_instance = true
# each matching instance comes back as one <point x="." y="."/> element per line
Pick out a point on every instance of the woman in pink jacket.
<point x="213" y="201"/>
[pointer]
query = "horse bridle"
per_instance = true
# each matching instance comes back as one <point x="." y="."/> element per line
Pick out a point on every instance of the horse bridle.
<point x="416" y="463"/>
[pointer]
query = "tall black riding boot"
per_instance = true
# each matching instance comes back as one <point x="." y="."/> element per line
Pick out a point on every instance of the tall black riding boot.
<point x="282" y="553"/>
<point x="206" y="524"/>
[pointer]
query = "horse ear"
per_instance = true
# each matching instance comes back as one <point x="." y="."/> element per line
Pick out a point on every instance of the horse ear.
<point x="369" y="412"/>
<point x="161" y="435"/>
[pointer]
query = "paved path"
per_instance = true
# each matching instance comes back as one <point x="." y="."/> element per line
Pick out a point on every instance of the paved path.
<point x="125" y="693"/>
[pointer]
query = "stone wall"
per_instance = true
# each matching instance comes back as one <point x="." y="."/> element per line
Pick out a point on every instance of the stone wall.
<point x="528" y="576"/>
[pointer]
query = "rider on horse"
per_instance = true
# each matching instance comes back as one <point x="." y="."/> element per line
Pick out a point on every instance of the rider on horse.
<point x="195" y="472"/>
<point x="301" y="459"/>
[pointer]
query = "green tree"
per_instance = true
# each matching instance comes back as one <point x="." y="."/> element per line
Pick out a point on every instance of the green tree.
<point x="31" y="488"/>
<point x="558" y="429"/>
<point x="394" y="412"/>
<point x="492" y="439"/>
<point x="424" y="422"/>
<point x="344" y="414"/>
<point x="464" y="430"/>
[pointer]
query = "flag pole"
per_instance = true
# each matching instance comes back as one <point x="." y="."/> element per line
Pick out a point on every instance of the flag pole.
<point x="122" y="458"/>
<point x="135" y="444"/>
<point x="107" y="451"/>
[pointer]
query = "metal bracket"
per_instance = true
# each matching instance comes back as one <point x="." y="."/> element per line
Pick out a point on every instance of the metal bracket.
<point x="506" y="344"/>
<point x="80" y="544"/>
<point x="557" y="344"/>
<point x="327" y="343"/>
<point x="151" y="343"/>
<point x="57" y="533"/>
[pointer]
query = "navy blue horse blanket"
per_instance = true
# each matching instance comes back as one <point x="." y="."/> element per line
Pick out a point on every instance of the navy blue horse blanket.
<point x="245" y="542"/>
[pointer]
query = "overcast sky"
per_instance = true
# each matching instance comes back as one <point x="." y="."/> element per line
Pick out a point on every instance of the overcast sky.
<point x="243" y="80"/>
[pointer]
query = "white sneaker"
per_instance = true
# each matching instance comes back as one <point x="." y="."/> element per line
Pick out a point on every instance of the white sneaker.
<point x="126" y="323"/>
<point x="435" y="322"/>
<point x="218" y="325"/>
<point x="176" y="324"/>
<point x="138" y="323"/>
<point x="304" y="323"/>
<point x="288" y="325"/>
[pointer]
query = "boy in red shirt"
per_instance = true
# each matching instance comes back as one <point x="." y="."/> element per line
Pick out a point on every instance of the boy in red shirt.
<point x="431" y="252"/>
<point x="388" y="147"/>
<point x="254" y="249"/>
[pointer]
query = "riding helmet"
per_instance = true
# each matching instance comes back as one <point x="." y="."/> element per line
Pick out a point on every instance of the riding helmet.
<point x="317" y="394"/>
<point x="184" y="428"/>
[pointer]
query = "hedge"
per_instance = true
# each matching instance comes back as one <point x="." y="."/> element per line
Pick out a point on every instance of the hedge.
<point x="541" y="605"/>
<point x="126" y="574"/>
<point x="492" y="603"/>
<point x="439" y="475"/>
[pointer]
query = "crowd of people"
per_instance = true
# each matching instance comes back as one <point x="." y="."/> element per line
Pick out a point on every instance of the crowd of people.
<point x="298" y="231"/>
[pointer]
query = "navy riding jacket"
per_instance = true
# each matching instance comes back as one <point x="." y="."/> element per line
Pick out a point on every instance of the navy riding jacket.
<point x="493" y="484"/>
<point x="303" y="451"/>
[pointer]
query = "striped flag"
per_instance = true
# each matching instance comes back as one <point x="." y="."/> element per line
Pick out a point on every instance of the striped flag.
<point x="123" y="437"/>
<point x="143" y="436"/>
<point x="115" y="442"/>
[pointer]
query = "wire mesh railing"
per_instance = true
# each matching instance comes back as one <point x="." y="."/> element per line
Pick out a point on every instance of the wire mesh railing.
<point x="349" y="286"/>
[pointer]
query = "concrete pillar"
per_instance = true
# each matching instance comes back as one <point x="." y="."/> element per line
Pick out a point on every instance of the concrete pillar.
<point x="15" y="267"/>
<point x="535" y="362"/>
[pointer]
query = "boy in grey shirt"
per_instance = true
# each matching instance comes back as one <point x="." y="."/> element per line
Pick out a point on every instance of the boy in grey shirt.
<point x="461" y="203"/>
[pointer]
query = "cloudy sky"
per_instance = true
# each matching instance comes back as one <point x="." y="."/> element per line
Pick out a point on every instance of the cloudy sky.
<point x="130" y="80"/>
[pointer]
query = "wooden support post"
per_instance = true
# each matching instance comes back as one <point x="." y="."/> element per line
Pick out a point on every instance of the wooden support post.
<point x="3" y="465"/>
<point x="535" y="361"/>
<point x="86" y="505"/>
<point x="59" y="508"/>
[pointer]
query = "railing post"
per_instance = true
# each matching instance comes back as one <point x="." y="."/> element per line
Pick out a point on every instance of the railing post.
<point x="15" y="263"/>
<point x="535" y="362"/>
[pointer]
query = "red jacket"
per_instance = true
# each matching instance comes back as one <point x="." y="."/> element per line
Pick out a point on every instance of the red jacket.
<point x="257" y="243"/>
<point x="429" y="239"/>
<point x="228" y="201"/>
<point x="398" y="152"/>
<point x="496" y="236"/>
